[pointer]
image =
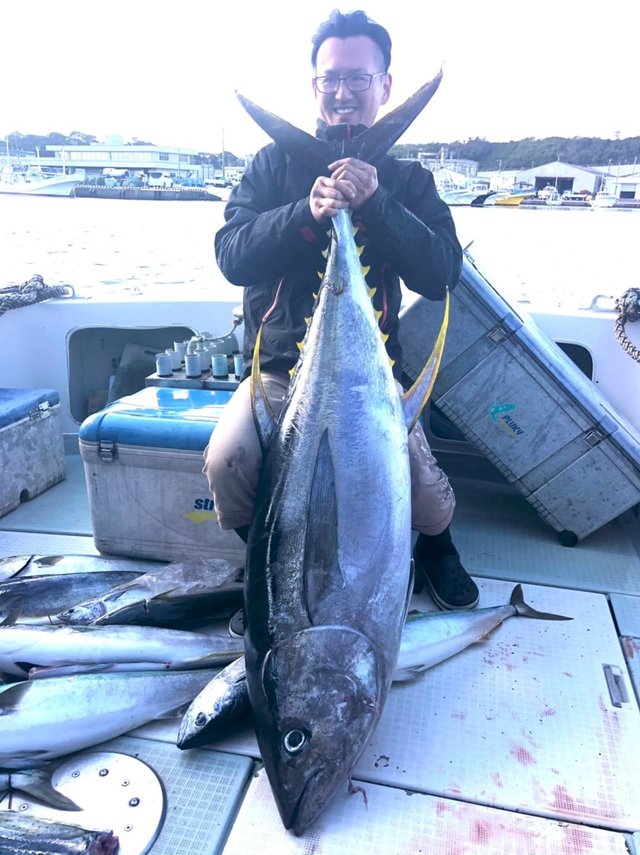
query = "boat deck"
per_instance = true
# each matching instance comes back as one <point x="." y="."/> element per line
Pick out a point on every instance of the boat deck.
<point x="528" y="742"/>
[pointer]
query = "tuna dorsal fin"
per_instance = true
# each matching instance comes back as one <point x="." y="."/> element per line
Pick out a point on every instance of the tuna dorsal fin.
<point x="323" y="576"/>
<point x="371" y="145"/>
<point x="414" y="401"/>
<point x="263" y="415"/>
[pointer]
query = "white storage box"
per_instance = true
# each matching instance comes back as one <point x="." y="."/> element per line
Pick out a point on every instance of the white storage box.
<point x="31" y="444"/>
<point x="143" y="465"/>
<point x="518" y="398"/>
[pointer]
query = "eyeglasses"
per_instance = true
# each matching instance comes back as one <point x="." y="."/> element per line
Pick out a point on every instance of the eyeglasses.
<point x="329" y="84"/>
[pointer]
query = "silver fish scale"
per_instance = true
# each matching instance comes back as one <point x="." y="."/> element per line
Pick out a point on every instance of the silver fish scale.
<point x="329" y="551"/>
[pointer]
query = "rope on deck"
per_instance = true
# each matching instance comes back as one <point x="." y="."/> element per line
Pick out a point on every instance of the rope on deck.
<point x="628" y="308"/>
<point x="34" y="290"/>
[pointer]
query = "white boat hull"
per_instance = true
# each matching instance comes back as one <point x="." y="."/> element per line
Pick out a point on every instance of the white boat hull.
<point x="62" y="186"/>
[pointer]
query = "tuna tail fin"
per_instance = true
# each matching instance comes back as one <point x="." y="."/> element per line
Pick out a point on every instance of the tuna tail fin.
<point x="415" y="400"/>
<point x="37" y="783"/>
<point x="370" y="145"/>
<point x="525" y="610"/>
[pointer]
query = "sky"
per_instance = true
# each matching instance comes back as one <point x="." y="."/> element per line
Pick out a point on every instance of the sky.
<point x="166" y="73"/>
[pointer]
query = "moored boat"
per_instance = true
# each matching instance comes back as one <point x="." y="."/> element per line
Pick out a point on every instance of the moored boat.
<point x="37" y="184"/>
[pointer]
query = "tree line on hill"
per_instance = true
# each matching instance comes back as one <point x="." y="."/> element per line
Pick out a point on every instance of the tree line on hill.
<point x="515" y="154"/>
<point x="529" y="153"/>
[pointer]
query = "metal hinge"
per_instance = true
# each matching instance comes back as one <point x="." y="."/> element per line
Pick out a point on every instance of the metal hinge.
<point x="593" y="437"/>
<point x="616" y="685"/>
<point x="497" y="335"/>
<point x="40" y="412"/>
<point x="107" y="450"/>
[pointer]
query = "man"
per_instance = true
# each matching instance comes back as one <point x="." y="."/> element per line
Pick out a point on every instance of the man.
<point x="277" y="221"/>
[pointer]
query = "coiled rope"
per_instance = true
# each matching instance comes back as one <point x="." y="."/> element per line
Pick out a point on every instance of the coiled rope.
<point x="628" y="308"/>
<point x="33" y="291"/>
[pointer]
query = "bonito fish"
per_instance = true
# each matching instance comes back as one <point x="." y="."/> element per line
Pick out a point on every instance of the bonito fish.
<point x="428" y="638"/>
<point x="25" y="834"/>
<point x="329" y="551"/>
<point x="25" y="647"/>
<point x="35" y="599"/>
<point x="45" y="719"/>
<point x="201" y="587"/>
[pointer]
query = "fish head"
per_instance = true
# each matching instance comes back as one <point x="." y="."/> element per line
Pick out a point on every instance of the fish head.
<point x="83" y="614"/>
<point x="322" y="689"/>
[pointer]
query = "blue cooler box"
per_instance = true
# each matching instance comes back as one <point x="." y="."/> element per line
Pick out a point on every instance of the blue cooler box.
<point x="31" y="444"/>
<point x="143" y="466"/>
<point x="519" y="399"/>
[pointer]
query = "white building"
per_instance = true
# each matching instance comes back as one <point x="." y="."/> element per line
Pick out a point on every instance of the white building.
<point x="97" y="157"/>
<point x="564" y="177"/>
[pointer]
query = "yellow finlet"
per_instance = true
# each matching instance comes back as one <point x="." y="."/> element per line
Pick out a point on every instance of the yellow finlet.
<point x="325" y="253"/>
<point x="385" y="337"/>
<point x="360" y="249"/>
<point x="307" y="321"/>
<point x="299" y="345"/>
<point x="377" y="314"/>
<point x="320" y="274"/>
<point x="392" y="362"/>
<point x="365" y="270"/>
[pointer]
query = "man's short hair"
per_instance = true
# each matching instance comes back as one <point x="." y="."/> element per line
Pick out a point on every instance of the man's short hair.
<point x="344" y="26"/>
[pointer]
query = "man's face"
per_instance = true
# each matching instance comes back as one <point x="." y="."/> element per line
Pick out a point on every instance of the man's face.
<point x="343" y="57"/>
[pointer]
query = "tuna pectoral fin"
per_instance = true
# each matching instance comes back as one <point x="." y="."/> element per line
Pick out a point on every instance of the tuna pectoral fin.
<point x="525" y="610"/>
<point x="263" y="415"/>
<point x="414" y="401"/>
<point x="323" y="577"/>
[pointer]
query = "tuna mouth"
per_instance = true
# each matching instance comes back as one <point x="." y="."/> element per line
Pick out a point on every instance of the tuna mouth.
<point x="302" y="813"/>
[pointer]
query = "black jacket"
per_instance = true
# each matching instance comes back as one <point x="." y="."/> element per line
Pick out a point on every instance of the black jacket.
<point x="271" y="238"/>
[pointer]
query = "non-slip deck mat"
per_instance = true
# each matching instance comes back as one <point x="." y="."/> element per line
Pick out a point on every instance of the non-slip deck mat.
<point x="62" y="509"/>
<point x="202" y="790"/>
<point x="399" y="823"/>
<point x="626" y="611"/>
<point x="35" y="543"/>
<point x="631" y="648"/>
<point x="522" y="721"/>
<point x="500" y="536"/>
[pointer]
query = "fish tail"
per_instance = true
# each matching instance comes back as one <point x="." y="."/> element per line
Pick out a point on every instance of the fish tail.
<point x="525" y="610"/>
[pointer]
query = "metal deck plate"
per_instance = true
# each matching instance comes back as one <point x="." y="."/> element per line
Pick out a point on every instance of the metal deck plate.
<point x="116" y="792"/>
<point x="500" y="536"/>
<point x="626" y="611"/>
<point x="202" y="790"/>
<point x="523" y="721"/>
<point x="399" y="823"/>
<point x="70" y="493"/>
<point x="631" y="647"/>
<point x="22" y="543"/>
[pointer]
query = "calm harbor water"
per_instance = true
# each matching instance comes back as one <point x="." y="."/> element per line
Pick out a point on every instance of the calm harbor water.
<point x="549" y="257"/>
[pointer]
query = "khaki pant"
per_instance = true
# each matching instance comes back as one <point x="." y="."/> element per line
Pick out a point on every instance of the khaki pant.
<point x="233" y="457"/>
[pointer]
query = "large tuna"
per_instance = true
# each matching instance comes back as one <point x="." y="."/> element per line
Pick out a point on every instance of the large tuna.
<point x="329" y="552"/>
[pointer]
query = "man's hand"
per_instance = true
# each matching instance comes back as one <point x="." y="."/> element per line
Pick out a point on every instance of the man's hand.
<point x="352" y="183"/>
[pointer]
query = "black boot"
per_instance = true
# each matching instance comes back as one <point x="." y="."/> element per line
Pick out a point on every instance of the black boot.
<point x="438" y="565"/>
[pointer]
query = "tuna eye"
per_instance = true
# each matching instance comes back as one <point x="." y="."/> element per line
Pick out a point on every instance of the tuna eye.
<point x="294" y="741"/>
<point x="201" y="720"/>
